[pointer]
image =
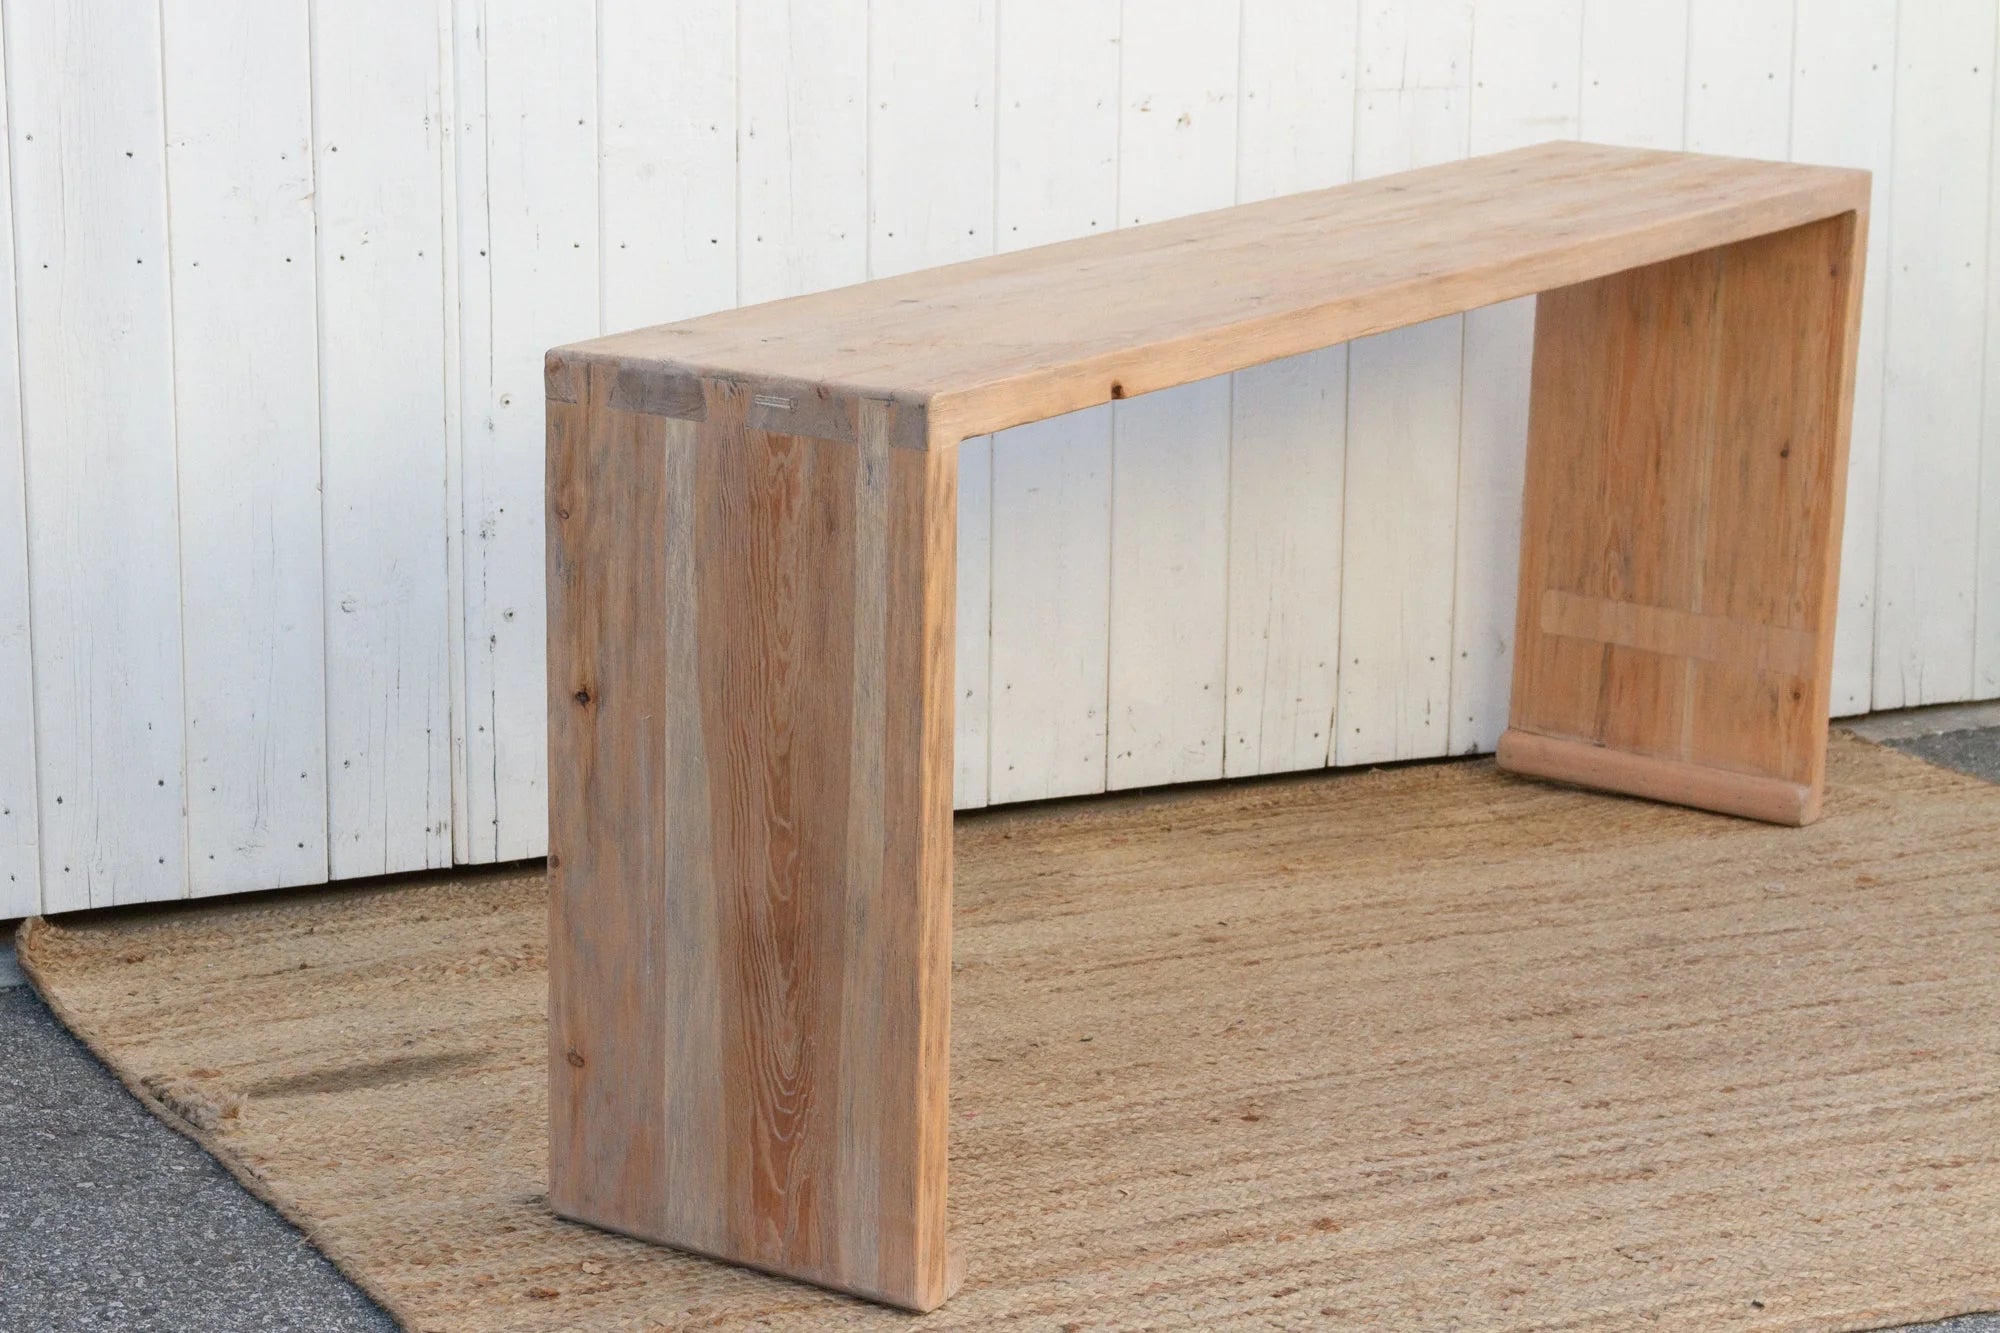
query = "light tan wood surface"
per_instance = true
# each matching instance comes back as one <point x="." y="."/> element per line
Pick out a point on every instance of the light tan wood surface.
<point x="752" y="535"/>
<point x="1687" y="463"/>
<point x="749" y="681"/>
<point x="1035" y="333"/>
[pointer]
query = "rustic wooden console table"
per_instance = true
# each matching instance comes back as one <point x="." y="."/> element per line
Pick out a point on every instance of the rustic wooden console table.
<point x="751" y="546"/>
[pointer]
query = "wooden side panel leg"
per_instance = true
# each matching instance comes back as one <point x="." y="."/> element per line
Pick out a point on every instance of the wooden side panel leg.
<point x="750" y="695"/>
<point x="1687" y="465"/>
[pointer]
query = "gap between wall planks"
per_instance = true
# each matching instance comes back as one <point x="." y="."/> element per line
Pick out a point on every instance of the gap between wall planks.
<point x="20" y="852"/>
<point x="813" y="182"/>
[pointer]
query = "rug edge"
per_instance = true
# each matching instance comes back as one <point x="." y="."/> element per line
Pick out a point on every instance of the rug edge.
<point x="27" y="938"/>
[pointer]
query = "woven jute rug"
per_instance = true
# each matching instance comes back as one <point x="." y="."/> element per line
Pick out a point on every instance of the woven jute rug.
<point x="1428" y="1048"/>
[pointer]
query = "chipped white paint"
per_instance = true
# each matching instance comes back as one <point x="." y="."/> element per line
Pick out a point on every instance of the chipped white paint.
<point x="317" y="485"/>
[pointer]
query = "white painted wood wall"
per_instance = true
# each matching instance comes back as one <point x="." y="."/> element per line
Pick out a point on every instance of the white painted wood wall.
<point x="278" y="276"/>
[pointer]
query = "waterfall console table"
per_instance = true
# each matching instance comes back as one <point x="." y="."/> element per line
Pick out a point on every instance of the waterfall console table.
<point x="750" y="561"/>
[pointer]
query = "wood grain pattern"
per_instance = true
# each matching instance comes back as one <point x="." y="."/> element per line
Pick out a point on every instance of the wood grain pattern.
<point x="1582" y="764"/>
<point x="609" y="787"/>
<point x="751" y="816"/>
<point x="1686" y="476"/>
<point x="1031" y="334"/>
<point x="752" y="605"/>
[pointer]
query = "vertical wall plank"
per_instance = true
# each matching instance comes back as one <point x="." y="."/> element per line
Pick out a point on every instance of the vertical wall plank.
<point x="803" y="146"/>
<point x="668" y="188"/>
<point x="1937" y="220"/>
<point x="97" y="407"/>
<point x="1633" y="88"/>
<point x="1169" y="586"/>
<point x="246" y="379"/>
<point x="1288" y="429"/>
<point x="1986" y="577"/>
<point x="1843" y="113"/>
<point x="379" y="167"/>
<point x="1525" y="63"/>
<point x="1051" y="564"/>
<point x="1739" y="63"/>
<point x="1296" y="120"/>
<point x="930" y="129"/>
<point x="930" y="192"/>
<point x="1056" y="173"/>
<point x="541" y="225"/>
<point x="972" y="676"/>
<point x="1403" y="417"/>
<point x="1170" y="450"/>
<point x="20" y="865"/>
<point x="1056" y="132"/>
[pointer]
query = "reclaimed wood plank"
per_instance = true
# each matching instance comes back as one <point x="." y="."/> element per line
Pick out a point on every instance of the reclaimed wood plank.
<point x="1020" y="337"/>
<point x="751" y="836"/>
<point x="1686" y="481"/>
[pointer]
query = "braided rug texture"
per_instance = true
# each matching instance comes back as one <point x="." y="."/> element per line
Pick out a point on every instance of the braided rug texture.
<point x="1427" y="1048"/>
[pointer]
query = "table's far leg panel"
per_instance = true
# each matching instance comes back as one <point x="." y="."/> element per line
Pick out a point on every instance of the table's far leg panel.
<point x="750" y="825"/>
<point x="1687" y="466"/>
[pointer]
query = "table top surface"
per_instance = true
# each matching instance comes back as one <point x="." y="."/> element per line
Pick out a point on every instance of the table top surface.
<point x="1030" y="334"/>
